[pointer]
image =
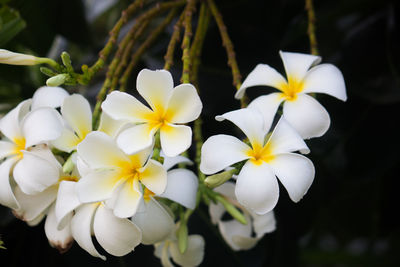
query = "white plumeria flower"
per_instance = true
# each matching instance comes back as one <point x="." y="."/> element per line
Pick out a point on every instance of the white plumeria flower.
<point x="193" y="256"/>
<point x="116" y="176"/>
<point x="237" y="235"/>
<point x="77" y="115"/>
<point x="33" y="208"/>
<point x="23" y="130"/>
<point x="302" y="111"/>
<point x="257" y="187"/>
<point x="154" y="219"/>
<point x="170" y="108"/>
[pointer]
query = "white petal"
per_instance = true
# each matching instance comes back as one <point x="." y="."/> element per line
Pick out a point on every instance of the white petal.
<point x="263" y="224"/>
<point x="110" y="126"/>
<point x="34" y="173"/>
<point x="227" y="189"/>
<point x="155" y="87"/>
<point x="297" y="64"/>
<point x="41" y="125"/>
<point x="162" y="251"/>
<point x="170" y="162"/>
<point x="98" y="150"/>
<point x="325" y="78"/>
<point x="10" y="123"/>
<point x="267" y="105"/>
<point x="81" y="228"/>
<point x="117" y="236"/>
<point x="6" y="149"/>
<point x="295" y="172"/>
<point x="76" y="111"/>
<point x="47" y="96"/>
<point x="182" y="187"/>
<point x="250" y="121"/>
<point x="35" y="221"/>
<point x="154" y="177"/>
<point x="261" y="75"/>
<point x="307" y="116"/>
<point x="7" y="197"/>
<point x="237" y="235"/>
<point x="98" y="185"/>
<point x="257" y="188"/>
<point x="216" y="212"/>
<point x="31" y="206"/>
<point x="67" y="141"/>
<point x="286" y="139"/>
<point x="175" y="139"/>
<point x="67" y="201"/>
<point x="123" y="106"/>
<point x="194" y="253"/>
<point x="59" y="239"/>
<point x="82" y="167"/>
<point x="184" y="105"/>
<point x="221" y="151"/>
<point x="136" y="138"/>
<point x="128" y="199"/>
<point x="156" y="223"/>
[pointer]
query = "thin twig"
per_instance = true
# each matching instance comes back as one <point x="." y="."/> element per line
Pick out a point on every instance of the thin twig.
<point x="169" y="56"/>
<point x="187" y="23"/>
<point x="311" y="27"/>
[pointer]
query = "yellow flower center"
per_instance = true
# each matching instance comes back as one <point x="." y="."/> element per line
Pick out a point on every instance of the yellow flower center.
<point x="159" y="119"/>
<point x="259" y="154"/>
<point x="147" y="194"/>
<point x="19" y="146"/>
<point x="69" y="178"/>
<point x="292" y="88"/>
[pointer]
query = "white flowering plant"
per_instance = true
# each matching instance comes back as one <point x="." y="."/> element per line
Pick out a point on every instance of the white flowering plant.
<point x="134" y="168"/>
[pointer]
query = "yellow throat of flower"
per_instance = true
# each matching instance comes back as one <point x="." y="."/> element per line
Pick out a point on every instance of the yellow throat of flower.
<point x="19" y="146"/>
<point x="147" y="195"/>
<point x="292" y="88"/>
<point x="259" y="154"/>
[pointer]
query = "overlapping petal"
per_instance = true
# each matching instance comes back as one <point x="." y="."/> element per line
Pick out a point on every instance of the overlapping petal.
<point x="6" y="149"/>
<point x="154" y="177"/>
<point x="76" y="111"/>
<point x="155" y="222"/>
<point x="117" y="236"/>
<point x="327" y="79"/>
<point x="155" y="87"/>
<point x="298" y="178"/>
<point x="261" y="75"/>
<point x="136" y="138"/>
<point x="257" y="187"/>
<point x="221" y="151"/>
<point x="267" y="105"/>
<point x="110" y="126"/>
<point x="47" y="96"/>
<point x="10" y="123"/>
<point x="59" y="239"/>
<point x="175" y="139"/>
<point x="7" y="197"/>
<point x="67" y="142"/>
<point x="307" y="116"/>
<point x="194" y="253"/>
<point x="250" y="121"/>
<point x="127" y="199"/>
<point x="123" y="106"/>
<point x="67" y="201"/>
<point x="297" y="64"/>
<point x="184" y="105"/>
<point x="181" y="187"/>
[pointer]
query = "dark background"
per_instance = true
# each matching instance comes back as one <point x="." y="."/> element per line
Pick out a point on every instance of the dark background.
<point x="348" y="217"/>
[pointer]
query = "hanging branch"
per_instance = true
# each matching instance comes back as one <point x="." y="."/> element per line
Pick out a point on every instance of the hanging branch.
<point x="169" y="56"/>
<point x="227" y="43"/>
<point x="104" y="53"/>
<point x="145" y="45"/>
<point x="187" y="23"/>
<point x="311" y="27"/>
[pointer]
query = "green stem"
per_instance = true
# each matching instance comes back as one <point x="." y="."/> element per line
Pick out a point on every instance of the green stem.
<point x="227" y="43"/>
<point x="311" y="27"/>
<point x="187" y="23"/>
<point x="146" y="44"/>
<point x="169" y="56"/>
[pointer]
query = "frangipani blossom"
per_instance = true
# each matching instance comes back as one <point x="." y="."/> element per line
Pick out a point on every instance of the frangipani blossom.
<point x="301" y="110"/>
<point x="77" y="115"/>
<point x="24" y="133"/>
<point x="193" y="256"/>
<point x="170" y="108"/>
<point x="154" y="219"/>
<point x="237" y="235"/>
<point x="257" y="187"/>
<point x="116" y="176"/>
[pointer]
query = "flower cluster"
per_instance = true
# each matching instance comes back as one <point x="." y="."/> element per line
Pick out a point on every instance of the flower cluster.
<point x="104" y="182"/>
<point x="117" y="182"/>
<point x="265" y="156"/>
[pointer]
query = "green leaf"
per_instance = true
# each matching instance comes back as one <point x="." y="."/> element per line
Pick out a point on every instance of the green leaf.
<point x="12" y="24"/>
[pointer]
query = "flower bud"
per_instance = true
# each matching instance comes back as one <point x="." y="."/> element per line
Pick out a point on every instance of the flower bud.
<point x="218" y="179"/>
<point x="57" y="80"/>
<point x="231" y="209"/>
<point x="12" y="58"/>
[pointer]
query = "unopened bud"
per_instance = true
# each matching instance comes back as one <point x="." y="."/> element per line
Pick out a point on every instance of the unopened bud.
<point x="231" y="209"/>
<point x="218" y="179"/>
<point x="12" y="58"/>
<point x="57" y="80"/>
<point x="182" y="237"/>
